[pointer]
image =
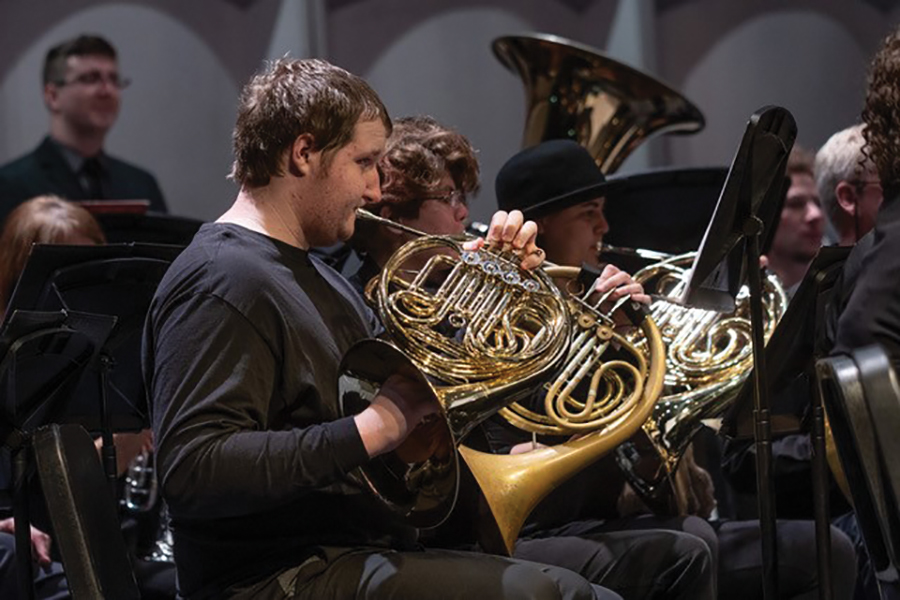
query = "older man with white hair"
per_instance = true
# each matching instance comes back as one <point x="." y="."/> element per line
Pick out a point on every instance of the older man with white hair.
<point x="848" y="186"/>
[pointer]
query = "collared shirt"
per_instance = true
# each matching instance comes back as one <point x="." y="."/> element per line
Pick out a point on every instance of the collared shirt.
<point x="76" y="162"/>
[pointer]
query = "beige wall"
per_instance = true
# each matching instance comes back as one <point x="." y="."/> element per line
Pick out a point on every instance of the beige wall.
<point x="189" y="59"/>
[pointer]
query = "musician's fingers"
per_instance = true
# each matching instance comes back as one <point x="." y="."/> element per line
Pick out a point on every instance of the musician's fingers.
<point x="635" y="290"/>
<point x="533" y="259"/>
<point x="495" y="231"/>
<point x="474" y="245"/>
<point x="514" y="222"/>
<point x="525" y="237"/>
<point x="610" y="280"/>
<point x="642" y="298"/>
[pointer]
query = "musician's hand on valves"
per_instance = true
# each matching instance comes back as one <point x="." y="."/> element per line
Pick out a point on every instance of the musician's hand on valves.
<point x="621" y="284"/>
<point x="510" y="231"/>
<point x="398" y="407"/>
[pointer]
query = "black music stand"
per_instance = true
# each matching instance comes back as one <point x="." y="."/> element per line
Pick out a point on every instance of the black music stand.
<point x="795" y="344"/>
<point x="750" y="202"/>
<point x="43" y="356"/>
<point x="116" y="280"/>
<point x="793" y="349"/>
<point x="124" y="228"/>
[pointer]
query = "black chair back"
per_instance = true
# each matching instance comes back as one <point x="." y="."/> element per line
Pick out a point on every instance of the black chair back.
<point x="862" y="398"/>
<point x="83" y="514"/>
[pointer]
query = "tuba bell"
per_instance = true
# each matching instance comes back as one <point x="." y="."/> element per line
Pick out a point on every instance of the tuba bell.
<point x="474" y="329"/>
<point x="605" y="390"/>
<point x="708" y="358"/>
<point x="576" y="92"/>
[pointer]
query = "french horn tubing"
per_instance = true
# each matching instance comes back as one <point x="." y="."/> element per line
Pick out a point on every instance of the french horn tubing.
<point x="708" y="358"/>
<point x="605" y="390"/>
<point x="476" y="330"/>
<point x="576" y="92"/>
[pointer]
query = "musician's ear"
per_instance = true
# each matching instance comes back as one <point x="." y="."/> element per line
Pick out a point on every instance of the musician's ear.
<point x="845" y="194"/>
<point x="303" y="158"/>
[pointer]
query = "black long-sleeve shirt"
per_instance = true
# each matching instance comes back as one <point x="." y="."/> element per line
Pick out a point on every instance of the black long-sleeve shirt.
<point x="241" y="354"/>
<point x="872" y="314"/>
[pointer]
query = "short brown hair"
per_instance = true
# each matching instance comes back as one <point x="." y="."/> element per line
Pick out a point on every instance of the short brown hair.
<point x="41" y="220"/>
<point x="293" y="97"/>
<point x="83" y="45"/>
<point x="801" y="162"/>
<point x="881" y="114"/>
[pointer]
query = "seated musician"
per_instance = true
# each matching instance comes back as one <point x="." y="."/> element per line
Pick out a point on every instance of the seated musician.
<point x="866" y="298"/>
<point x="242" y="348"/>
<point x="545" y="182"/>
<point x="851" y="194"/>
<point x="428" y="174"/>
<point x="52" y="220"/>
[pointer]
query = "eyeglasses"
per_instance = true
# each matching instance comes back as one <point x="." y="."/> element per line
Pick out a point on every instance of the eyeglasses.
<point x="93" y="78"/>
<point x="454" y="198"/>
<point x="861" y="183"/>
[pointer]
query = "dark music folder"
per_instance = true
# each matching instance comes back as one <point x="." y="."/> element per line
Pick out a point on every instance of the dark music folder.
<point x="115" y="281"/>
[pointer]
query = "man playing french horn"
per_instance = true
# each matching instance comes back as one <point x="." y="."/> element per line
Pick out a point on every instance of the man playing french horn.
<point x="242" y="347"/>
<point x="542" y="181"/>
<point x="428" y="172"/>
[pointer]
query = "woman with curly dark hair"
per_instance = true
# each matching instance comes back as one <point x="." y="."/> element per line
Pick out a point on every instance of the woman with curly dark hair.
<point x="882" y="114"/>
<point x="868" y="289"/>
<point x="872" y="313"/>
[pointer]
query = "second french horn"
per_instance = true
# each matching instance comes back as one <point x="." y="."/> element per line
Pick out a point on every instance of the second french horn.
<point x="708" y="358"/>
<point x="605" y="391"/>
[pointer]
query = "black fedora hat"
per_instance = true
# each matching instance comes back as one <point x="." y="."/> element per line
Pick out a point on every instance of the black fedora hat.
<point x="549" y="177"/>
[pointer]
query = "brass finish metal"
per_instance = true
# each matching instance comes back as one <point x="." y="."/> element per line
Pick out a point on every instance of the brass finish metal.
<point x="708" y="358"/>
<point x="649" y="255"/>
<point x="623" y="384"/>
<point x="474" y="328"/>
<point x="576" y="92"/>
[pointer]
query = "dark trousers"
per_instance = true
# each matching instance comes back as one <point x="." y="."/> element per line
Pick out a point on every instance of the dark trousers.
<point x="737" y="551"/>
<point x="630" y="557"/>
<point x="868" y="587"/>
<point x="49" y="582"/>
<point x="341" y="574"/>
<point x="740" y="557"/>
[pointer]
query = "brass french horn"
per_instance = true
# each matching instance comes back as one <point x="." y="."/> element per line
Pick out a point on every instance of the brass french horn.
<point x="605" y="390"/>
<point x="473" y="328"/>
<point x="708" y="358"/>
<point x="576" y="92"/>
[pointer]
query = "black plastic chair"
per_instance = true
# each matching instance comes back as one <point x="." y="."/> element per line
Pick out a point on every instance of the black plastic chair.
<point x="83" y="514"/>
<point x="862" y="398"/>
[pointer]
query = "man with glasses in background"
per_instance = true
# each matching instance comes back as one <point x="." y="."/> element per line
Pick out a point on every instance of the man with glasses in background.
<point x="82" y="92"/>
